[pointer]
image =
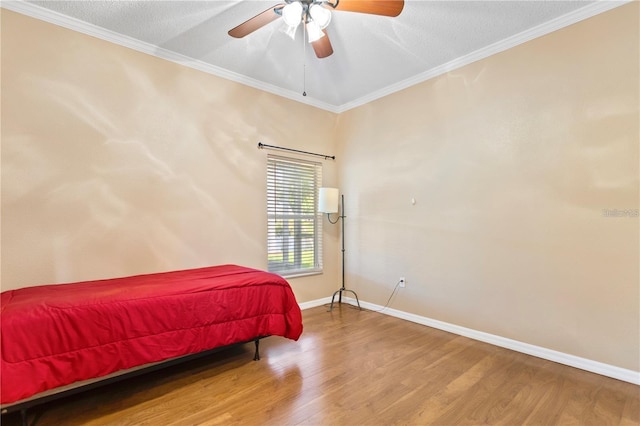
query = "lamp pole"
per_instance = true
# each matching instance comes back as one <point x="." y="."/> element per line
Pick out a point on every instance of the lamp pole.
<point x="342" y="288"/>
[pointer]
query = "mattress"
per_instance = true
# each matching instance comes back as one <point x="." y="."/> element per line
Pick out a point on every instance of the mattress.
<point x="54" y="335"/>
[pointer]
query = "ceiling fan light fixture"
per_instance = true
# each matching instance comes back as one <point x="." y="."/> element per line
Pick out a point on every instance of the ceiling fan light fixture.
<point x="290" y="31"/>
<point x="314" y="30"/>
<point x="315" y="15"/>
<point x="320" y="15"/>
<point x="292" y="14"/>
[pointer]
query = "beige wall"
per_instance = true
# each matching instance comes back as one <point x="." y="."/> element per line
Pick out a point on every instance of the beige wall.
<point x="511" y="161"/>
<point x="117" y="163"/>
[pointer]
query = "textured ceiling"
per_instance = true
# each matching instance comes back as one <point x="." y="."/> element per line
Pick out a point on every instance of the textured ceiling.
<point x="373" y="55"/>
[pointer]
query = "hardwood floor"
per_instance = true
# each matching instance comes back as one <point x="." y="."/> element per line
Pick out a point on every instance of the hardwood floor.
<point x="355" y="367"/>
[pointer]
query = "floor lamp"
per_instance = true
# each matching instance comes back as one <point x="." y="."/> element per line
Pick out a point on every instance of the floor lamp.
<point x="328" y="203"/>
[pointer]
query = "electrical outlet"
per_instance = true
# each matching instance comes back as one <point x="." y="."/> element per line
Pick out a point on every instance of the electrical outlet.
<point x="403" y="282"/>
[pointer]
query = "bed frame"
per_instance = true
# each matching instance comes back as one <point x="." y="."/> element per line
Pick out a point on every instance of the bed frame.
<point x="93" y="333"/>
<point x="86" y="385"/>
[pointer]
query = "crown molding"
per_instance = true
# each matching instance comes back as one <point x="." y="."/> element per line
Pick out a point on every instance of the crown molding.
<point x="558" y="23"/>
<point x="74" y="24"/>
<point x="56" y="18"/>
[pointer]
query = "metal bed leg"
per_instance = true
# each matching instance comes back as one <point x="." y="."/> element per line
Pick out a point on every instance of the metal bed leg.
<point x="256" y="357"/>
<point x="23" y="417"/>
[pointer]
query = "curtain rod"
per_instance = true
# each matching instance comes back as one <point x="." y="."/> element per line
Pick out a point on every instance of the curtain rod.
<point x="326" y="157"/>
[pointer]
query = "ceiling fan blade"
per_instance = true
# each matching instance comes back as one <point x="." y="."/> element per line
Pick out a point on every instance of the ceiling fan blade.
<point x="322" y="46"/>
<point x="257" y="22"/>
<point x="374" y="7"/>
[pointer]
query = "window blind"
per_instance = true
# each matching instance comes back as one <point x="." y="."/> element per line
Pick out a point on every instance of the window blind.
<point x="294" y="231"/>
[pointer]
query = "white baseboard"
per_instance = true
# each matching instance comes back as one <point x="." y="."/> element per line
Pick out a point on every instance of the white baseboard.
<point x="503" y="342"/>
<point x="314" y="303"/>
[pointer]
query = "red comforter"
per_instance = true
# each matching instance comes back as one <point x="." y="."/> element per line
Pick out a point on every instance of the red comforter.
<point x="55" y="335"/>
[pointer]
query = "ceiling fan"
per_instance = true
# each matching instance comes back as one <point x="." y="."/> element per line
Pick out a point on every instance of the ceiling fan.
<point x="315" y="15"/>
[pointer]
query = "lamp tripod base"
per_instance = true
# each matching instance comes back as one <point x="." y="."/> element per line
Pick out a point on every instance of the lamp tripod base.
<point x="339" y="292"/>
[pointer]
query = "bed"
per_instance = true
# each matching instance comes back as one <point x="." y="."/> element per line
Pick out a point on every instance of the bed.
<point x="56" y="335"/>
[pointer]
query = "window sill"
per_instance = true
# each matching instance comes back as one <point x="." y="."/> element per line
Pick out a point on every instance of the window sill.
<point x="301" y="274"/>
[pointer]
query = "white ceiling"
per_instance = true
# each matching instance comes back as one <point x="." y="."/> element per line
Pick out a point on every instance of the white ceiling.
<point x="373" y="55"/>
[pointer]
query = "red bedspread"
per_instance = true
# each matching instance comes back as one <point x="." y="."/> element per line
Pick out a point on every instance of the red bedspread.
<point x="55" y="335"/>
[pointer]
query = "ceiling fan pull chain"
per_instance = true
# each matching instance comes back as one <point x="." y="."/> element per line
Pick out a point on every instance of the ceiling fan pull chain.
<point x="304" y="60"/>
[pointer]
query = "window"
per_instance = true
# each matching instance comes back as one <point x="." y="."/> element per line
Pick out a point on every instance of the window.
<point x="294" y="230"/>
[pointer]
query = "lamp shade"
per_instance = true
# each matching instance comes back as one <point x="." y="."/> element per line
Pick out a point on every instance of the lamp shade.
<point x="320" y="15"/>
<point x="314" y="31"/>
<point x="328" y="200"/>
<point x="292" y="14"/>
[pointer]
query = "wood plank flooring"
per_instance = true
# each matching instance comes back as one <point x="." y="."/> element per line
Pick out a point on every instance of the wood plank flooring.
<point x="355" y="367"/>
